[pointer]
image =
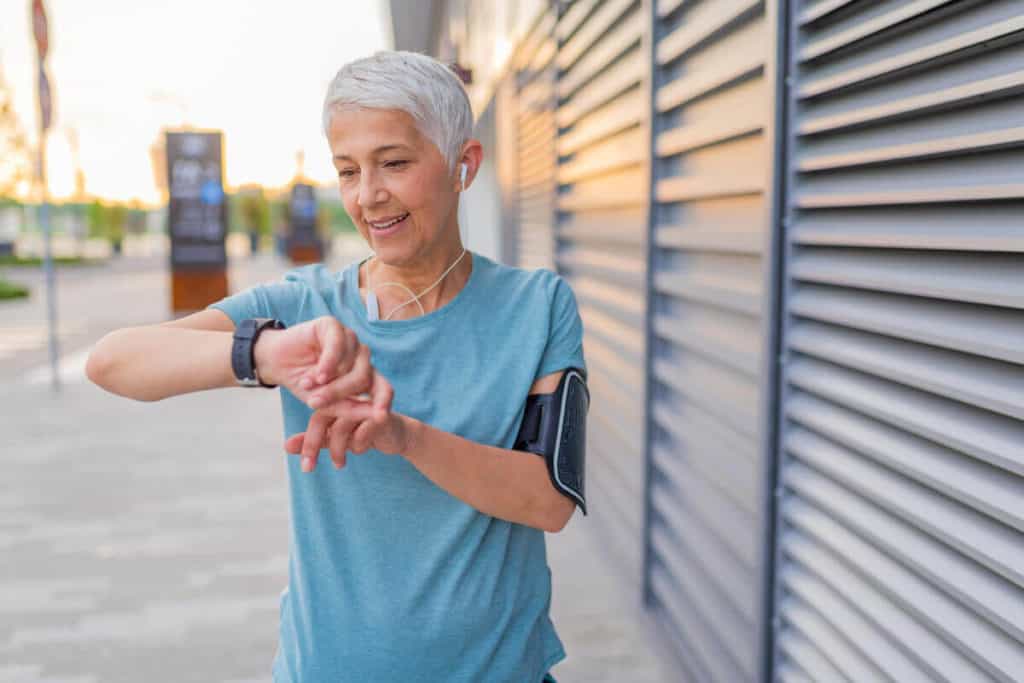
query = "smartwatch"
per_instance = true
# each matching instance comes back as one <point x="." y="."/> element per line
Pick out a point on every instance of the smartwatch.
<point x="243" y="344"/>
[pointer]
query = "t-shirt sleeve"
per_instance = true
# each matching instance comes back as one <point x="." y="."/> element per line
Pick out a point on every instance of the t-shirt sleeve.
<point x="279" y="300"/>
<point x="565" y="333"/>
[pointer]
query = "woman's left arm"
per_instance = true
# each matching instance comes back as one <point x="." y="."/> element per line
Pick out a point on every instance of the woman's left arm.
<point x="507" y="484"/>
<point x="511" y="485"/>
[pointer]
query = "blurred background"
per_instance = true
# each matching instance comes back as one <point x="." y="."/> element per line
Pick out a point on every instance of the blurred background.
<point x="794" y="230"/>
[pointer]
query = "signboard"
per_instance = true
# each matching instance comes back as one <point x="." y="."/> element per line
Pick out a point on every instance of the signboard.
<point x="302" y="215"/>
<point x="39" y="29"/>
<point x="197" y="211"/>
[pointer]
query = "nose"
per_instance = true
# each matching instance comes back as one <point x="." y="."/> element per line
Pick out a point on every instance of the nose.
<point x="371" y="192"/>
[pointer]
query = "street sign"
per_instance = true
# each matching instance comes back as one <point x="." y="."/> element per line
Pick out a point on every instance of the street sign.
<point x="197" y="211"/>
<point x="45" y="99"/>
<point x="39" y="29"/>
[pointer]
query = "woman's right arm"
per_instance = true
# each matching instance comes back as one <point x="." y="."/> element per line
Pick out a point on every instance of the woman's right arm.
<point x="153" y="362"/>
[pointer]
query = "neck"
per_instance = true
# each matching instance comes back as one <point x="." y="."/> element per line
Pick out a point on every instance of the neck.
<point x="443" y="273"/>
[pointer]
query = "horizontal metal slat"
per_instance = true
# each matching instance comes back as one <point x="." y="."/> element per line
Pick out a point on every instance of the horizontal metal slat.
<point x="627" y="237"/>
<point x="976" y="278"/>
<point x="891" y="546"/>
<point x="989" y="543"/>
<point x="802" y="652"/>
<point x="969" y="482"/>
<point x="979" y="330"/>
<point x="864" y="29"/>
<point x="703" y="24"/>
<point x="810" y="623"/>
<point x="964" y="144"/>
<point x="624" y="75"/>
<point x="977" y="381"/>
<point x="624" y="306"/>
<point x="616" y="153"/>
<point x="715" y="613"/>
<point x="573" y="17"/>
<point x="696" y="639"/>
<point x="620" y="114"/>
<point x="685" y="527"/>
<point x="600" y="21"/>
<point x="622" y="38"/>
<point x="883" y="630"/>
<point x="881" y="659"/>
<point x="602" y="360"/>
<point x="820" y="10"/>
<point x="735" y="529"/>
<point x="715" y="338"/>
<point x="700" y="83"/>
<point x="917" y="105"/>
<point x="992" y="227"/>
<point x="667" y="7"/>
<point x="733" y="473"/>
<point x="705" y="187"/>
<point x="730" y="398"/>
<point x="980" y="434"/>
<point x="731" y="294"/>
<point x="930" y="55"/>
<point x="731" y="241"/>
<point x="979" y="193"/>
<point x="686" y="138"/>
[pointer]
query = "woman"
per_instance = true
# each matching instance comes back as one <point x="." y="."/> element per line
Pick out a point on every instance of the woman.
<point x="424" y="560"/>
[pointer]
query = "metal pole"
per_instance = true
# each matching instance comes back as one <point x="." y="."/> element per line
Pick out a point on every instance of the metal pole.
<point x="51" y="285"/>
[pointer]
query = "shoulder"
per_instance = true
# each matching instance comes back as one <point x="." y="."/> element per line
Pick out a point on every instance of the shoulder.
<point x="538" y="287"/>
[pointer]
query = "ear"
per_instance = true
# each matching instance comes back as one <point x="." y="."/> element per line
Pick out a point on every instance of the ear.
<point x="469" y="162"/>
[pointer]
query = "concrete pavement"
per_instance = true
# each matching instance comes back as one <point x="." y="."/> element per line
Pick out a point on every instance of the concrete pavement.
<point x="148" y="542"/>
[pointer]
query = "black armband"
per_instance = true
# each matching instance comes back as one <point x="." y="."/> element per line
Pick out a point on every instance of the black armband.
<point x="555" y="427"/>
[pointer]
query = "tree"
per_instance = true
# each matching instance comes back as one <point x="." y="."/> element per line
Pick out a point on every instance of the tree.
<point x="15" y="154"/>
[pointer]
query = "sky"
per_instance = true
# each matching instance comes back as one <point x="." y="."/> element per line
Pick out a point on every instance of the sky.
<point x="123" y="69"/>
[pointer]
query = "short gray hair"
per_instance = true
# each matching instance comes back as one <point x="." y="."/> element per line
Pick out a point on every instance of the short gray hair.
<point x="419" y="85"/>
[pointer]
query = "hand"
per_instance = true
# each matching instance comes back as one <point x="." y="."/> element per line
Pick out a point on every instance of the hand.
<point x="318" y="361"/>
<point x="351" y="425"/>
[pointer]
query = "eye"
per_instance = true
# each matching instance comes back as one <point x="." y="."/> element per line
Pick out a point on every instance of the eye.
<point x="397" y="163"/>
<point x="346" y="173"/>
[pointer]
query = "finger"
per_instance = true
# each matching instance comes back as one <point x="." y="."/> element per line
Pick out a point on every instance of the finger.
<point x="333" y="341"/>
<point x="381" y="395"/>
<point x="293" y="444"/>
<point x="357" y="380"/>
<point x="316" y="433"/>
<point x="338" y="439"/>
<point x="363" y="435"/>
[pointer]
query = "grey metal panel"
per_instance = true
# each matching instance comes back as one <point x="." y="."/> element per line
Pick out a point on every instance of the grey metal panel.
<point x="712" y="106"/>
<point x="537" y="163"/>
<point x="601" y="246"/>
<point x="902" y="490"/>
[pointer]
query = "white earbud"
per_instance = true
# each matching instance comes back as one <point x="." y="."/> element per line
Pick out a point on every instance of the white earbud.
<point x="465" y="168"/>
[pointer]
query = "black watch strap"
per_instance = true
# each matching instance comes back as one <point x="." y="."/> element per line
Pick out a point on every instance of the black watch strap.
<point x="243" y="344"/>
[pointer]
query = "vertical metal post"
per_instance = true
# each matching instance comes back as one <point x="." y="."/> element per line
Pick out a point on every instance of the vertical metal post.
<point x="51" y="279"/>
<point x="777" y="138"/>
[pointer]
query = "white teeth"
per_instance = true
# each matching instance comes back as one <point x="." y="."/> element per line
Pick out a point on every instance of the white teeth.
<point x="385" y="226"/>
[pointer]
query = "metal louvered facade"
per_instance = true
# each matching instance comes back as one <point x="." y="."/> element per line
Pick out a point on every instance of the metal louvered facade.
<point x="535" y="78"/>
<point x="901" y="556"/>
<point x="706" y="540"/>
<point x="795" y="231"/>
<point x="602" y="247"/>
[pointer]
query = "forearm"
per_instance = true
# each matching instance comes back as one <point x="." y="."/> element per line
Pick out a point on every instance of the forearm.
<point x="510" y="485"/>
<point x="156" y="362"/>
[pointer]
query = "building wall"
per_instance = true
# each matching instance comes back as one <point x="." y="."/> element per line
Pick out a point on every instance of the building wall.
<point x="795" y="233"/>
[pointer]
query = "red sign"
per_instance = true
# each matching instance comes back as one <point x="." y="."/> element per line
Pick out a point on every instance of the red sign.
<point x="39" y="28"/>
<point x="45" y="100"/>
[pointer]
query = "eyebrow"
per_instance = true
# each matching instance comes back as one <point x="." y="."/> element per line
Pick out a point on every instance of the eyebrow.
<point x="379" y="150"/>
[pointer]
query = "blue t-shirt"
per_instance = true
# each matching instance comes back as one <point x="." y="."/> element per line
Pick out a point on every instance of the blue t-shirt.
<point x="390" y="577"/>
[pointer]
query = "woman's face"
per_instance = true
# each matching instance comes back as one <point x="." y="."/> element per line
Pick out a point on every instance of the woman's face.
<point x="394" y="183"/>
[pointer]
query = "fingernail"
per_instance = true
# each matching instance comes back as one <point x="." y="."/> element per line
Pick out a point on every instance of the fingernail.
<point x="315" y="401"/>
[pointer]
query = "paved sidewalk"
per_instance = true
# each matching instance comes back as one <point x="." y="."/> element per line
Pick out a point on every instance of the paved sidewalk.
<point x="148" y="542"/>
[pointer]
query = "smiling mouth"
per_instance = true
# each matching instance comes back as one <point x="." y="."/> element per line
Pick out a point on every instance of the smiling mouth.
<point x="389" y="224"/>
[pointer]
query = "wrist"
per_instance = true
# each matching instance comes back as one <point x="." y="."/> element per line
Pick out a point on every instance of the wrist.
<point x="263" y="356"/>
<point x="413" y="432"/>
